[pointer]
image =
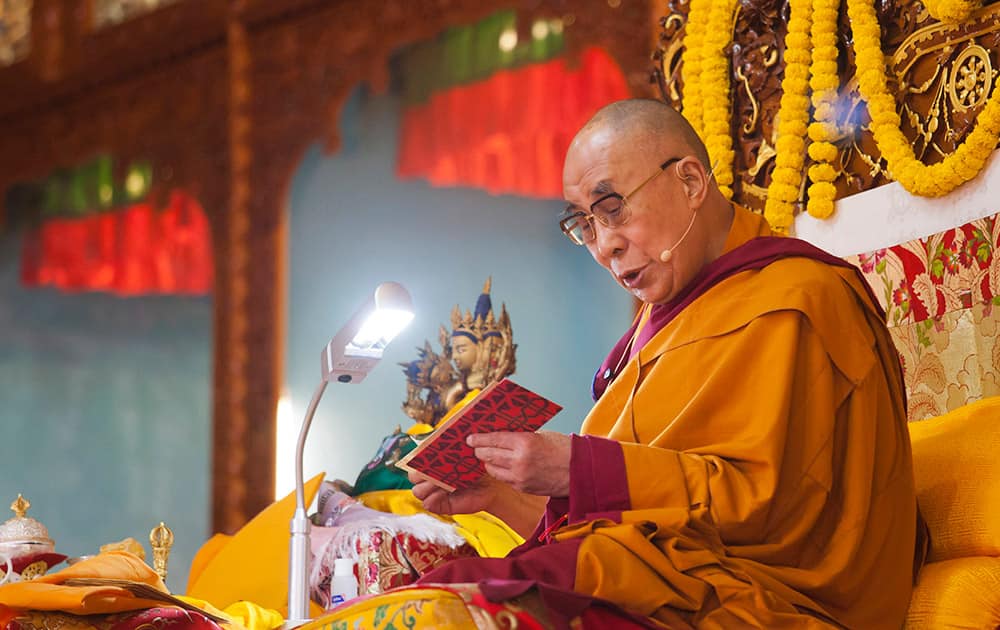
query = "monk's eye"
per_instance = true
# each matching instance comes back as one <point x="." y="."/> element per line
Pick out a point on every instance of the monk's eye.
<point x="609" y="210"/>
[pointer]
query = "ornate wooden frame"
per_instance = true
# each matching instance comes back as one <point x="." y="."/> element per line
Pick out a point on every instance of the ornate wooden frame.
<point x="929" y="65"/>
<point x="225" y="96"/>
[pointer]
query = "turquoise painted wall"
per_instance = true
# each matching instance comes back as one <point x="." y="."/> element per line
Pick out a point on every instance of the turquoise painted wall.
<point x="353" y="225"/>
<point x="105" y="408"/>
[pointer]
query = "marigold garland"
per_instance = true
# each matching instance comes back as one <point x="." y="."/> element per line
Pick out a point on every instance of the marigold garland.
<point x="811" y="62"/>
<point x="715" y="91"/>
<point x="824" y="81"/>
<point x="916" y="177"/>
<point x="694" y="36"/>
<point x="951" y="10"/>
<point x="793" y="118"/>
<point x="707" y="104"/>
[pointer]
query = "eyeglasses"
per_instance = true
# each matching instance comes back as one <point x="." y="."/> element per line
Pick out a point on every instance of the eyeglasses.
<point x="611" y="210"/>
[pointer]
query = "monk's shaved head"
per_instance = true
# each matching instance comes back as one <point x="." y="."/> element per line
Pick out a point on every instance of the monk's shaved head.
<point x="671" y="218"/>
<point x="649" y="124"/>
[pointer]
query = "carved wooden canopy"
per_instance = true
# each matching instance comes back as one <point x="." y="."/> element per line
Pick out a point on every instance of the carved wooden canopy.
<point x="940" y="74"/>
<point x="224" y="97"/>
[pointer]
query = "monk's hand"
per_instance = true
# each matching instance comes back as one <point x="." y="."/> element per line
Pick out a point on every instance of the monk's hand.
<point x="533" y="463"/>
<point x="481" y="496"/>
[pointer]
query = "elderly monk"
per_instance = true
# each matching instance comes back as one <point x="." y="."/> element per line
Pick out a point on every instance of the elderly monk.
<point x="747" y="461"/>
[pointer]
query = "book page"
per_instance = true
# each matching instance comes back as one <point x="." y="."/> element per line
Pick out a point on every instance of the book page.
<point x="447" y="461"/>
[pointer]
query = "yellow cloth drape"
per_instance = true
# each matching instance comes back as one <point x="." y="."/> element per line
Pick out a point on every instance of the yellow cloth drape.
<point x="252" y="565"/>
<point x="49" y="593"/>
<point x="243" y="614"/>
<point x="958" y="479"/>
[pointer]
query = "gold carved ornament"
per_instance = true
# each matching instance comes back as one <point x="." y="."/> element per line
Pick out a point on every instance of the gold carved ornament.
<point x="903" y="164"/>
<point x="15" y="30"/>
<point x="813" y="27"/>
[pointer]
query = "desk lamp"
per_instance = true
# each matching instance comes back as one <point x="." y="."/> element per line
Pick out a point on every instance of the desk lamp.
<point x="348" y="358"/>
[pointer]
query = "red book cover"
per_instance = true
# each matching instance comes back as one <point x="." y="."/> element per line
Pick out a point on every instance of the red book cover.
<point x="447" y="461"/>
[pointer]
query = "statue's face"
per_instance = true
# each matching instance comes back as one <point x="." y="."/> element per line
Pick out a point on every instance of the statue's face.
<point x="463" y="351"/>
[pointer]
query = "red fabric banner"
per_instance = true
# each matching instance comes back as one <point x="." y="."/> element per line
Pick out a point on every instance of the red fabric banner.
<point x="510" y="132"/>
<point x="136" y="250"/>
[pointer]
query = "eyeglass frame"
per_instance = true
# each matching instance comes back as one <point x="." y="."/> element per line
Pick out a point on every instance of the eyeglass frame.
<point x="590" y="216"/>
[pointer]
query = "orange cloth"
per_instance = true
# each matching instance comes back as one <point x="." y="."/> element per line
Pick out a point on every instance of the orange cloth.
<point x="49" y="593"/>
<point x="251" y="565"/>
<point x="767" y="457"/>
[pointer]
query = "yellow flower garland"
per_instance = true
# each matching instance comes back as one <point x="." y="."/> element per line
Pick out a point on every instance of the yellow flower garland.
<point x="694" y="36"/>
<point x="825" y="81"/>
<point x="951" y="10"/>
<point x="714" y="88"/>
<point x="918" y="178"/>
<point x="706" y="72"/>
<point x="793" y="117"/>
<point x="811" y="61"/>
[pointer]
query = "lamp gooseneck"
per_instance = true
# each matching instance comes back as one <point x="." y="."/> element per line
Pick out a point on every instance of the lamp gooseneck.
<point x="348" y="358"/>
<point x="299" y="553"/>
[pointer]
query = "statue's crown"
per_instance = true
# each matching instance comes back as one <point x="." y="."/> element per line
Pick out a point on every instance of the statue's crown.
<point x="480" y="323"/>
<point x="418" y="371"/>
<point x="431" y="379"/>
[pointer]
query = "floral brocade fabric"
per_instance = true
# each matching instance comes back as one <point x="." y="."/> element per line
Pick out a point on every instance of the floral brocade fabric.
<point x="149" y="619"/>
<point x="942" y="300"/>
<point x="389" y="561"/>
<point x="439" y="606"/>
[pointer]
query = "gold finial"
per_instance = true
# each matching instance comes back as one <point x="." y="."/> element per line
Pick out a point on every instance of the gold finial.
<point x="20" y="506"/>
<point x="161" y="539"/>
<point x="488" y="284"/>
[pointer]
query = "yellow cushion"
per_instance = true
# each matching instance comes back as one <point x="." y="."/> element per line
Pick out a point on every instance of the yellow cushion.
<point x="242" y="615"/>
<point x="960" y="593"/>
<point x="957" y="472"/>
<point x="417" y="607"/>
<point x="253" y="564"/>
<point x="204" y="555"/>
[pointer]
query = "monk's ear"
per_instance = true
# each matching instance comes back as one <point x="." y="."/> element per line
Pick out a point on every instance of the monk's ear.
<point x="695" y="179"/>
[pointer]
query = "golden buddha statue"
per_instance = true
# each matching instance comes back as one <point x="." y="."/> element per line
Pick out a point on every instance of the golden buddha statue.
<point x="477" y="351"/>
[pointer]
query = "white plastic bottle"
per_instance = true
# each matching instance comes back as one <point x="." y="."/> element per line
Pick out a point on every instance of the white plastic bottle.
<point x="343" y="586"/>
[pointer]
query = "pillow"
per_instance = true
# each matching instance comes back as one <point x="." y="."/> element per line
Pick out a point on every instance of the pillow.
<point x="960" y="593"/>
<point x="208" y="550"/>
<point x="418" y="607"/>
<point x="253" y="564"/>
<point x="957" y="474"/>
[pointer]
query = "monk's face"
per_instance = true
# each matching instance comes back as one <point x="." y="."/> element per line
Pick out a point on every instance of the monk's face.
<point x="598" y="162"/>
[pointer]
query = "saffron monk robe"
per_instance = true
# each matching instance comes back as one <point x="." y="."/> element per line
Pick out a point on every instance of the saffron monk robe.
<point x="747" y="461"/>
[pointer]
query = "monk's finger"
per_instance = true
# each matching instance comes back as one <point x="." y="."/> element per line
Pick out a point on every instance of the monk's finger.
<point x="438" y="502"/>
<point x="425" y="489"/>
<point x="498" y="439"/>
<point x="494" y="456"/>
<point x="501" y="474"/>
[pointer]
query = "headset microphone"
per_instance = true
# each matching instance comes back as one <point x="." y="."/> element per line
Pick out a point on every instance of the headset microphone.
<point x="668" y="253"/>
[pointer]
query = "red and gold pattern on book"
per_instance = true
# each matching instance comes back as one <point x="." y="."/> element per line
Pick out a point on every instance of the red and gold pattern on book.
<point x="447" y="461"/>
